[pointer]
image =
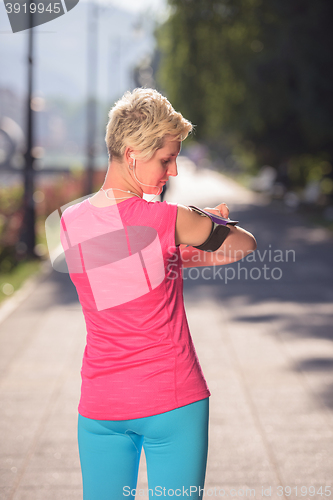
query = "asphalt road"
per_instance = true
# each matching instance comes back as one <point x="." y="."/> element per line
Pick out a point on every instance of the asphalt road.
<point x="263" y="333"/>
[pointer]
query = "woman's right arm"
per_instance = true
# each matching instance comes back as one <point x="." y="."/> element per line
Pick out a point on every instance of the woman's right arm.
<point x="192" y="229"/>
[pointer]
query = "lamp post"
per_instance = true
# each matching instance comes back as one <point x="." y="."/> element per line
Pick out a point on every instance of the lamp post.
<point x="27" y="239"/>
<point x="92" y="67"/>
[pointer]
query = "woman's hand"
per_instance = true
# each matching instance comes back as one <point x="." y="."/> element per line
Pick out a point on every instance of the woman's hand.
<point x="221" y="210"/>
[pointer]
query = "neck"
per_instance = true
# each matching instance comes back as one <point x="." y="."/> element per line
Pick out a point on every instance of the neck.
<point x="118" y="179"/>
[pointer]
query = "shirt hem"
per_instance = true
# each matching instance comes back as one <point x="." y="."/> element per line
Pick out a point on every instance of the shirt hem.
<point x="181" y="402"/>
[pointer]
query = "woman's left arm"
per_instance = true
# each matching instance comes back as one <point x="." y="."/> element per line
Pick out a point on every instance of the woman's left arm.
<point x="238" y="244"/>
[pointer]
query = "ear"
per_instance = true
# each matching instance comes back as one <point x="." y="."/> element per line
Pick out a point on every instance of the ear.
<point x="129" y="154"/>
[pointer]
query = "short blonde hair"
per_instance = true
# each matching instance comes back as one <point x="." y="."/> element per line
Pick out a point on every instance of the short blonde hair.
<point x="140" y="120"/>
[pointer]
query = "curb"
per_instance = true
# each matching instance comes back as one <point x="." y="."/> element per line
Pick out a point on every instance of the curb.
<point x="10" y="304"/>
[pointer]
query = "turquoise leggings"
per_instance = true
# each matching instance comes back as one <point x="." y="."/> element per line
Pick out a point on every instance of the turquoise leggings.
<point x="175" y="445"/>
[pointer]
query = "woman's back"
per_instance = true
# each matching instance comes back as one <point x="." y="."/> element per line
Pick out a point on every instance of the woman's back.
<point x="139" y="359"/>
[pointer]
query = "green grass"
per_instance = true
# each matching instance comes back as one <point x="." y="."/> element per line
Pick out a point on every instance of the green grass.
<point x="17" y="277"/>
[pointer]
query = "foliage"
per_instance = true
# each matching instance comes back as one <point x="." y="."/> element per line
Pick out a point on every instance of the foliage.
<point x="50" y="194"/>
<point x="10" y="223"/>
<point x="254" y="74"/>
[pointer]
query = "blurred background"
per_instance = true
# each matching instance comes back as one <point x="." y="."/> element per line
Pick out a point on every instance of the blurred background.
<point x="57" y="84"/>
<point x="254" y="76"/>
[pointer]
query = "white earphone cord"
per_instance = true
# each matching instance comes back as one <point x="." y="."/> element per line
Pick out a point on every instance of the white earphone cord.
<point x="125" y="198"/>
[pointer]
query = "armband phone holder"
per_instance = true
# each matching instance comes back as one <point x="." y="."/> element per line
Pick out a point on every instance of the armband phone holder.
<point x="219" y="232"/>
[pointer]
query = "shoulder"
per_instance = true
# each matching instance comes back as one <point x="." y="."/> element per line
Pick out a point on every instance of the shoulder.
<point x="163" y="208"/>
<point x="71" y="211"/>
<point x="191" y="228"/>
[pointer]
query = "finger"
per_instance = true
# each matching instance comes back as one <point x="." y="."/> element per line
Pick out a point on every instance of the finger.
<point x="225" y="215"/>
<point x="213" y="210"/>
<point x="223" y="209"/>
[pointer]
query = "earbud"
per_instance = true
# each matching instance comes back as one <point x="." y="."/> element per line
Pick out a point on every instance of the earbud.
<point x="131" y="156"/>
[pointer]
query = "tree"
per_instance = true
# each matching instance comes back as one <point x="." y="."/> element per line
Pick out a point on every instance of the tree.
<point x="253" y="72"/>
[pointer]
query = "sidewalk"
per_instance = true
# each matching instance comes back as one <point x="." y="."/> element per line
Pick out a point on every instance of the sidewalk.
<point x="264" y="342"/>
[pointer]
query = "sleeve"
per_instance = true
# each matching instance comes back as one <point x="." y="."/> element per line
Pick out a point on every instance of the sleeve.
<point x="167" y="214"/>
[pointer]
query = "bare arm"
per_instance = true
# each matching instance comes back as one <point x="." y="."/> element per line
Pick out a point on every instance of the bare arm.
<point x="193" y="229"/>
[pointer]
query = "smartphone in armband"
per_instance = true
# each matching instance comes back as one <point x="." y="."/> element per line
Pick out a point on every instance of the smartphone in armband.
<point x="218" y="219"/>
<point x="219" y="232"/>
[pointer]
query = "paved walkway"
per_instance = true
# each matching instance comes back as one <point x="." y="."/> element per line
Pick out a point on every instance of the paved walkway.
<point x="264" y="340"/>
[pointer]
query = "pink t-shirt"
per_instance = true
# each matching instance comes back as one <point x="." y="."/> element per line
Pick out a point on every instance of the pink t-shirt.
<point x="139" y="359"/>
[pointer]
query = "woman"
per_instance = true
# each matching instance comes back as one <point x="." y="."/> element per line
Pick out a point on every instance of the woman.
<point x="142" y="384"/>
